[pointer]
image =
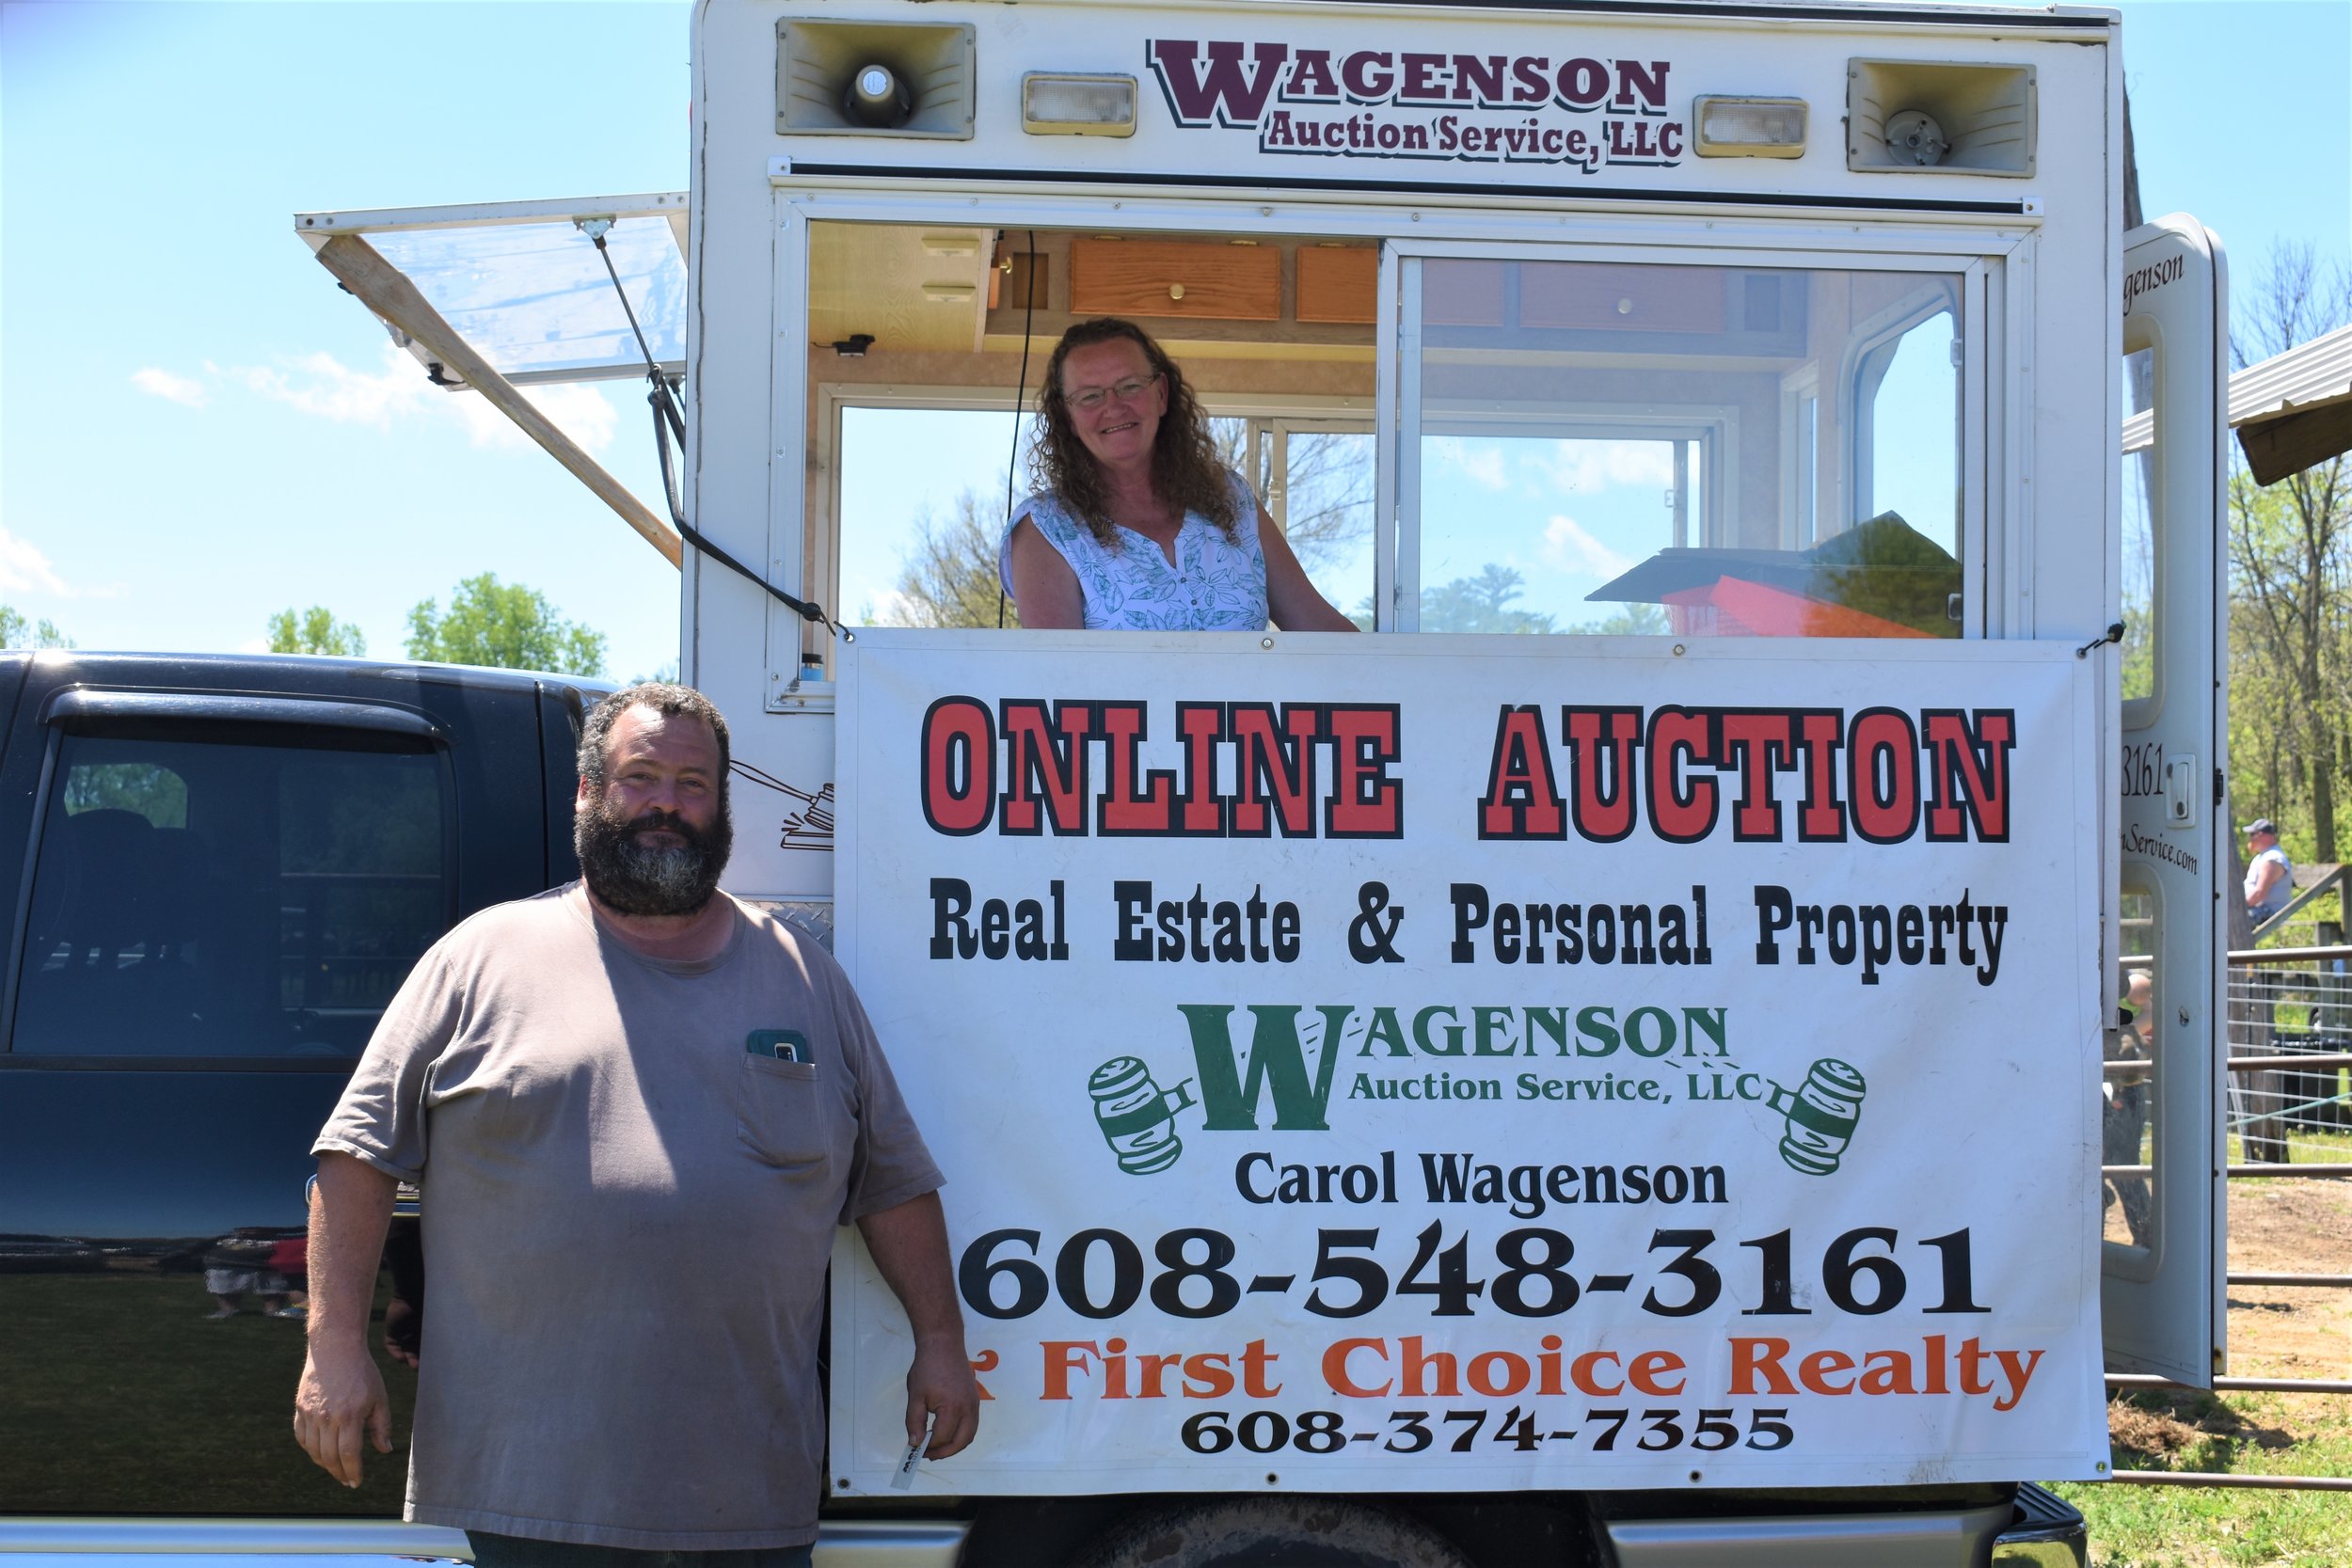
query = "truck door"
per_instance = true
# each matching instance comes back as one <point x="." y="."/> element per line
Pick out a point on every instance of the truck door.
<point x="2163" y="1149"/>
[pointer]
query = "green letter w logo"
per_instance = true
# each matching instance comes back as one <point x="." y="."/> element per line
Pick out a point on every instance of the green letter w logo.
<point x="1277" y="1062"/>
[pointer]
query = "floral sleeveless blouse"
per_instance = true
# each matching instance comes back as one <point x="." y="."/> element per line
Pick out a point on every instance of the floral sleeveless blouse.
<point x="1218" y="584"/>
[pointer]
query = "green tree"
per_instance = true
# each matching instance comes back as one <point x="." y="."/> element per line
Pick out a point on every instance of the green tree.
<point x="314" y="630"/>
<point x="2291" y="584"/>
<point x="1633" y="620"/>
<point x="948" y="574"/>
<point x="148" y="788"/>
<point x="17" y="632"/>
<point x="1482" y="603"/>
<point x="503" y="625"/>
<point x="1326" y="479"/>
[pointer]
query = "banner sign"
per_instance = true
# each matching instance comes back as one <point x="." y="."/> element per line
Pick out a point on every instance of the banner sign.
<point x="1446" y="1063"/>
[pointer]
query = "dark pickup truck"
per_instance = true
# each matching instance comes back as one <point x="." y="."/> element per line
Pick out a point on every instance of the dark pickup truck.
<point x="226" y="867"/>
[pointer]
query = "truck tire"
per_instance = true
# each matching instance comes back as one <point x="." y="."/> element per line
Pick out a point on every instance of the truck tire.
<point x="1271" y="1532"/>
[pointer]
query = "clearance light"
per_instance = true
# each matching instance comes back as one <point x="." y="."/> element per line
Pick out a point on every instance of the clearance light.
<point x="1749" y="127"/>
<point x="1053" y="106"/>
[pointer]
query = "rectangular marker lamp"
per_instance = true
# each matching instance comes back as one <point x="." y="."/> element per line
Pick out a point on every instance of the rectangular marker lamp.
<point x="1053" y="106"/>
<point x="1748" y="127"/>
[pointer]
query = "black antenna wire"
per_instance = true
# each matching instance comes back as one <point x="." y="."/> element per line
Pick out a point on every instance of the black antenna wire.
<point x="668" y="423"/>
<point x="1020" y="396"/>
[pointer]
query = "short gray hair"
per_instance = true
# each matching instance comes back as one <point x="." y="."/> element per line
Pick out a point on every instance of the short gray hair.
<point x="665" y="698"/>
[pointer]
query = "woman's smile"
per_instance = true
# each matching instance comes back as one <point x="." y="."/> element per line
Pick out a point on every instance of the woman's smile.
<point x="1118" y="433"/>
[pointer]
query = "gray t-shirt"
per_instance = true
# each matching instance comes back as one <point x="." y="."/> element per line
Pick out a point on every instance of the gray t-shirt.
<point x="628" y="1212"/>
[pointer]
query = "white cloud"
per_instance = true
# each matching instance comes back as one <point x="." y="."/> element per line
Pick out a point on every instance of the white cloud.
<point x="890" y="608"/>
<point x="24" y="569"/>
<point x="1599" y="465"/>
<point x="1570" y="547"/>
<point x="157" y="381"/>
<point x="1482" y="465"/>
<point x="581" y="412"/>
<point x="325" y="386"/>
<point x="254" y="645"/>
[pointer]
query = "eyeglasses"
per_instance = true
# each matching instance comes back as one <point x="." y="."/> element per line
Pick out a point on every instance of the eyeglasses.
<point x="1125" y="391"/>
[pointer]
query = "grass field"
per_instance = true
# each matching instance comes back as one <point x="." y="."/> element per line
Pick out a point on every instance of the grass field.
<point x="120" y="1377"/>
<point x="2300" y="1332"/>
<point x="2175" y="1527"/>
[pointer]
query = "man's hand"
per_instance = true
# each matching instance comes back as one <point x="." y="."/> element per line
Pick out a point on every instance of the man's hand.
<point x="940" y="1380"/>
<point x="909" y="1245"/>
<point x="341" y="1395"/>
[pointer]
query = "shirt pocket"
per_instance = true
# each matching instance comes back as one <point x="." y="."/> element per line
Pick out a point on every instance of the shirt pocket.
<point x="779" y="1112"/>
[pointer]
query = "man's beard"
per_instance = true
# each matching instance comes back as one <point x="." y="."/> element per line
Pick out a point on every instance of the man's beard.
<point x="632" y="876"/>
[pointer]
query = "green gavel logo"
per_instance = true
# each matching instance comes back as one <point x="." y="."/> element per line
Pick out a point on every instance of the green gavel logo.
<point x="1821" y="1113"/>
<point x="1136" y="1116"/>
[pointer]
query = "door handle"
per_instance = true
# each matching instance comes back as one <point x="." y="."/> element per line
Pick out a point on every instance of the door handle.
<point x="2180" y="792"/>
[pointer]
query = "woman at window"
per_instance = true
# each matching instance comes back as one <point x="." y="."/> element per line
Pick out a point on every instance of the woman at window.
<point x="1135" y="525"/>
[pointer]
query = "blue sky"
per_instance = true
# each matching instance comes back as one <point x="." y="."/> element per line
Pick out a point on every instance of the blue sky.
<point x="198" y="429"/>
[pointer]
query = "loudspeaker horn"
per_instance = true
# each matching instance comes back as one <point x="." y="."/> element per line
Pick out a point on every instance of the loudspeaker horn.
<point x="1932" y="117"/>
<point x="826" y="86"/>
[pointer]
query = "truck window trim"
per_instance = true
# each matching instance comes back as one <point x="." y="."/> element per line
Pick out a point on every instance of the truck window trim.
<point x="334" y="713"/>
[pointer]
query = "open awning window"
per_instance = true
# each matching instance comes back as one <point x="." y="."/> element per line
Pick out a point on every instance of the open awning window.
<point x="496" y="297"/>
<point x="522" y="283"/>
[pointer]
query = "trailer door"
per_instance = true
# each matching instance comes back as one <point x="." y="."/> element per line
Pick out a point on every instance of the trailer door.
<point x="2163" y="1146"/>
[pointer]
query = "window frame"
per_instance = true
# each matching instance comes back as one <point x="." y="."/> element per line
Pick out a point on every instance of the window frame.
<point x="1870" y="355"/>
<point x="2143" y="333"/>
<point x="2140" y="1264"/>
<point x="1995" y="253"/>
<point x="1968" y="266"/>
<point x="1267" y="417"/>
<point x="1801" y="458"/>
<point x="276" y="723"/>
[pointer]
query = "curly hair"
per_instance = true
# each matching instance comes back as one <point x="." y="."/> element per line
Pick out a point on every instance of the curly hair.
<point x="665" y="698"/>
<point x="1186" y="471"/>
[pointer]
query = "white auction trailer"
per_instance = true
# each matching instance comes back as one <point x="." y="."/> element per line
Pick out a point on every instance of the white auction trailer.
<point x="1690" y="1040"/>
<point x="1853" y="283"/>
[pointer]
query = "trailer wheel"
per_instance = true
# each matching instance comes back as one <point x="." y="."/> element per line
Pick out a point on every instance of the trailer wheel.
<point x="1271" y="1532"/>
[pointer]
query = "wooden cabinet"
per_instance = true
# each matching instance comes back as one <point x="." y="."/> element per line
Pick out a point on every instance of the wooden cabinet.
<point x="1338" y="283"/>
<point x="1186" y="279"/>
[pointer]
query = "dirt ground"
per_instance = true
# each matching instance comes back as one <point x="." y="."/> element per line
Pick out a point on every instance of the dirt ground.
<point x="2290" y="1228"/>
<point x="2282" y="1227"/>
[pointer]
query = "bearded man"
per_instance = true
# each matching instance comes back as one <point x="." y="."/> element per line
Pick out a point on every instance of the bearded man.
<point x="637" y="1110"/>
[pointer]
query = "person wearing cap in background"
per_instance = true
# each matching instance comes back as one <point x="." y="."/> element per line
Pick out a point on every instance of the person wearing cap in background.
<point x="2269" y="874"/>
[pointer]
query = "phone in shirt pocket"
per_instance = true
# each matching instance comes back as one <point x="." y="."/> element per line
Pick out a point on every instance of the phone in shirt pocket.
<point x="780" y="1045"/>
<point x="780" y="1109"/>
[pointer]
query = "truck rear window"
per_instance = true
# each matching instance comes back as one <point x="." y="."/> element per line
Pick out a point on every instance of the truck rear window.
<point x="228" y="898"/>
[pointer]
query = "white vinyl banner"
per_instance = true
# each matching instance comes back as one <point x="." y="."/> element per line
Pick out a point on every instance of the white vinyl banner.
<point x="1444" y="1062"/>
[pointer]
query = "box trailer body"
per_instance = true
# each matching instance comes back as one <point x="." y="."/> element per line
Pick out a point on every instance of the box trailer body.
<point x="1474" y="252"/>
